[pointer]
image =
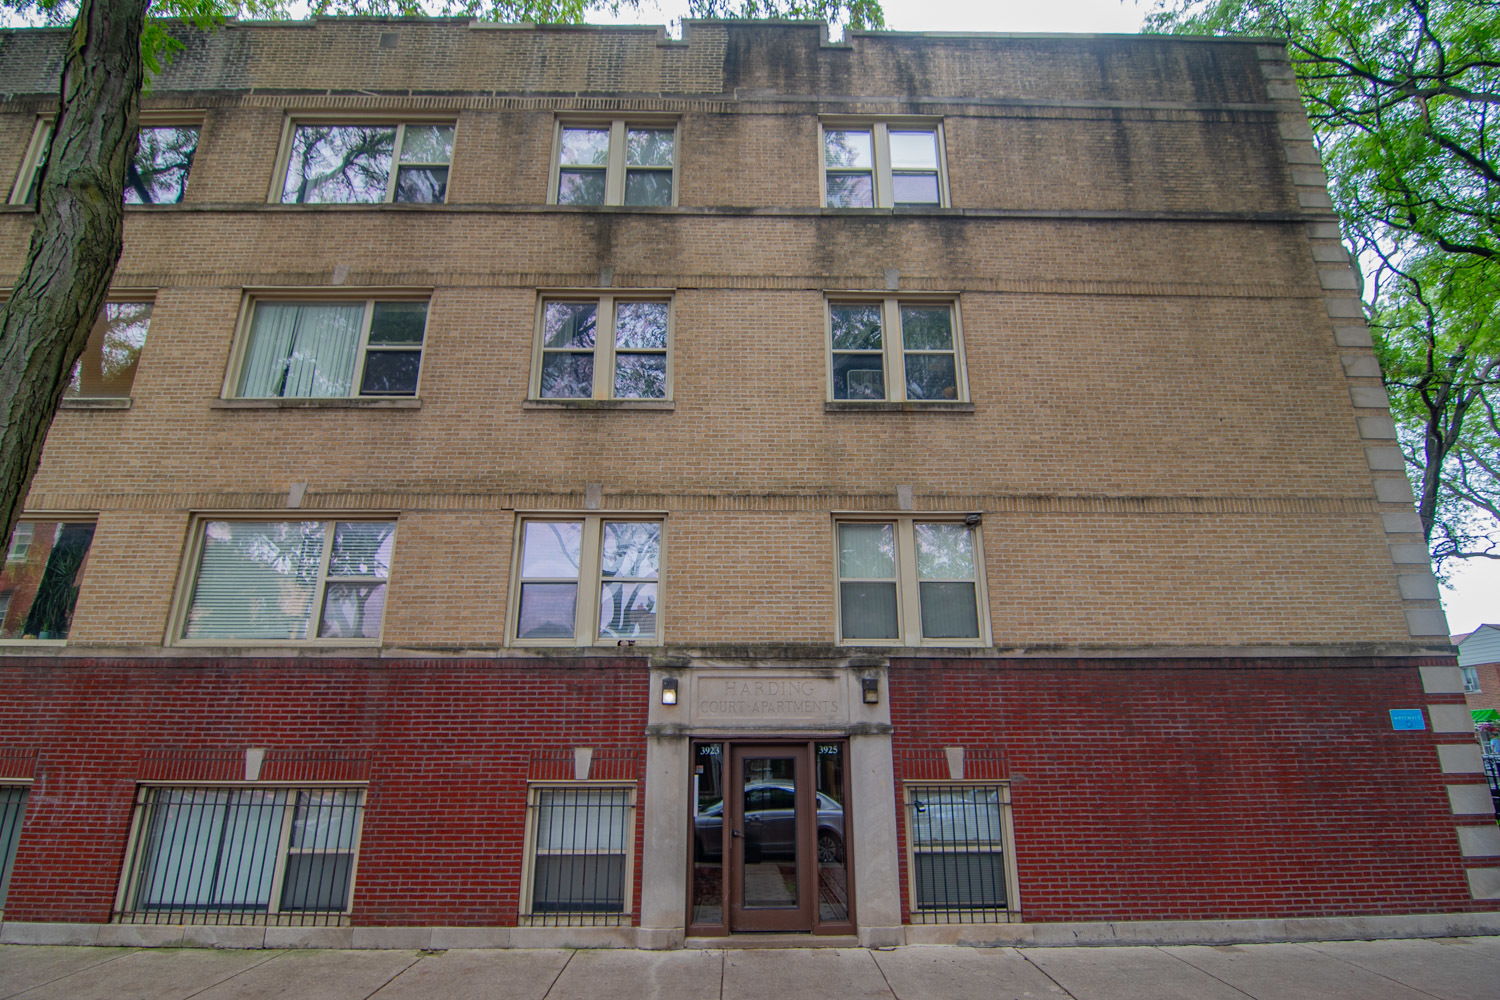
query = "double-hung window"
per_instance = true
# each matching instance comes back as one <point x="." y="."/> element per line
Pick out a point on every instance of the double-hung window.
<point x="961" y="853"/>
<point x="106" y="368"/>
<point x="320" y="349"/>
<point x="579" y="851"/>
<point x="12" y="812"/>
<point x="289" y="581"/>
<point x="603" y="347"/>
<point x="883" y="165"/>
<point x="587" y="581"/>
<point x="44" y="569"/>
<point x="895" y="350"/>
<point x="617" y="162"/>
<point x="243" y="854"/>
<point x="158" y="175"/>
<point x="910" y="581"/>
<point x="364" y="164"/>
<point x="1471" y="679"/>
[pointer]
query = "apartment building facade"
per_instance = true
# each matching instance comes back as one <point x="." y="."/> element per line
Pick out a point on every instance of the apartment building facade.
<point x="546" y="486"/>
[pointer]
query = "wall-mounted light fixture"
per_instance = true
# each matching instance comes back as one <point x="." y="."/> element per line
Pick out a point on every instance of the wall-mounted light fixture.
<point x="669" y="690"/>
<point x="870" y="688"/>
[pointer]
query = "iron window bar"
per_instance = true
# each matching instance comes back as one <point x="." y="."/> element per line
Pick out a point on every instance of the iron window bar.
<point x="956" y="836"/>
<point x="582" y="840"/>
<point x="241" y="855"/>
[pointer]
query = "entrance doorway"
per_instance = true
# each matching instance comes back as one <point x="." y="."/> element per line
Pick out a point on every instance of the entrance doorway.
<point x="770" y="840"/>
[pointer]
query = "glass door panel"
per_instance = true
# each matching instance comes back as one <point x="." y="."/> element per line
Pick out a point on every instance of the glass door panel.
<point x="771" y="838"/>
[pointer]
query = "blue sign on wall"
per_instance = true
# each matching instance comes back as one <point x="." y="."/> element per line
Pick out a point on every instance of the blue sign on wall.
<point x="1407" y="718"/>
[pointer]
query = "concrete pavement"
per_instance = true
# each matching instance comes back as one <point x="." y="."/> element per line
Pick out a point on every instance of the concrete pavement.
<point x="1445" y="968"/>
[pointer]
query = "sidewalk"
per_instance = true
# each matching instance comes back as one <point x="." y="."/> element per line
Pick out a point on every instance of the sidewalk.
<point x="1448" y="968"/>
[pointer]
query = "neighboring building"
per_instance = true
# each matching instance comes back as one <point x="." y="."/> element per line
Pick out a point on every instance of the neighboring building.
<point x="1479" y="660"/>
<point x="543" y="486"/>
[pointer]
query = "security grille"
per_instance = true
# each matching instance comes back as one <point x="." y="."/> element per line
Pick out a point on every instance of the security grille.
<point x="958" y="862"/>
<point x="12" y="809"/>
<point x="581" y="848"/>
<point x="242" y="856"/>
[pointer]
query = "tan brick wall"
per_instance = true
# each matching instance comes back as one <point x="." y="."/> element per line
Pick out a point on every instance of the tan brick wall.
<point x="1162" y="434"/>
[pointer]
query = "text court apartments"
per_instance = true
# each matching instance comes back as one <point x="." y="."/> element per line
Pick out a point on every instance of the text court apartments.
<point x="574" y="486"/>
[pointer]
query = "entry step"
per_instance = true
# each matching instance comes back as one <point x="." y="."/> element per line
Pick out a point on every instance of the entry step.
<point x="774" y="941"/>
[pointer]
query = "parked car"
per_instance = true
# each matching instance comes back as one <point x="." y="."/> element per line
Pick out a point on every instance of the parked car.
<point x="771" y="825"/>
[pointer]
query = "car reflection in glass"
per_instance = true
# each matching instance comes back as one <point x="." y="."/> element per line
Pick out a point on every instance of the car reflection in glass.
<point x="771" y="825"/>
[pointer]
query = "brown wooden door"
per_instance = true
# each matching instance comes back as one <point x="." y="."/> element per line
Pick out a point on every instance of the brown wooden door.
<point x="771" y="837"/>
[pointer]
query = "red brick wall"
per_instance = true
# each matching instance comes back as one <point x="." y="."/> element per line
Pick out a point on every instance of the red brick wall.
<point x="1199" y="789"/>
<point x="448" y="742"/>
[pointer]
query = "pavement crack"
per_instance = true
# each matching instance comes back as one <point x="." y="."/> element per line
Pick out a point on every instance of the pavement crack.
<point x="91" y="965"/>
<point x="553" y="985"/>
<point x="883" y="976"/>
<point x="1210" y="975"/>
<point x="1050" y="978"/>
<point x="397" y="975"/>
<point x="238" y="972"/>
<point x="1365" y="968"/>
<point x="723" y="971"/>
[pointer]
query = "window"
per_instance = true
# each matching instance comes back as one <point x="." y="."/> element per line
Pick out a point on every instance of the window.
<point x="268" y="581"/>
<point x="615" y="163"/>
<point x="605" y="347"/>
<point x="235" y="854"/>
<point x="12" y="811"/>
<point x="157" y="176"/>
<point x="910" y="582"/>
<point x="589" y="580"/>
<point x="1471" y="679"/>
<point x="309" y="349"/>
<point x="960" y="853"/>
<point x="896" y="350"/>
<point x="880" y="165"/>
<point x="43" y="570"/>
<point x="345" y="164"/>
<point x="579" y="853"/>
<point x="106" y="369"/>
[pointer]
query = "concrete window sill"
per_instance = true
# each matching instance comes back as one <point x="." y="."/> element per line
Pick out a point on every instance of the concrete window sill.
<point x="599" y="404"/>
<point x="350" y="403"/>
<point x="849" y="406"/>
<point x="83" y="403"/>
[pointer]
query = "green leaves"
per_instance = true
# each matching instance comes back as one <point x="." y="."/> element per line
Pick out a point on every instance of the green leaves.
<point x="1404" y="97"/>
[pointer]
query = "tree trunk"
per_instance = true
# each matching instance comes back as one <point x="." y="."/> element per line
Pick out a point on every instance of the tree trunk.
<point x="78" y="236"/>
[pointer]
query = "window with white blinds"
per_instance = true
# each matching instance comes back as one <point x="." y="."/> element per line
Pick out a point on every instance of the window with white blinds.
<point x="267" y="581"/>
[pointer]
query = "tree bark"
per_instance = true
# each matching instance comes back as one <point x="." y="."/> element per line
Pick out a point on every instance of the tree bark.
<point x="78" y="235"/>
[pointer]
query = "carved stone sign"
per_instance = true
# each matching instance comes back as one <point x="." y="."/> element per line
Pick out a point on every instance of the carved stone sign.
<point x="749" y="698"/>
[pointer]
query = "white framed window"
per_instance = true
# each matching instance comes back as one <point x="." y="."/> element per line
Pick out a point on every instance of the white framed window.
<point x="106" y="368"/>
<point x="297" y="347"/>
<point x="614" y="162"/>
<point x="12" y="814"/>
<point x="1471" y="679"/>
<point x="961" y="853"/>
<point x="580" y="848"/>
<point x="44" y="568"/>
<point x="895" y="349"/>
<point x="343" y="162"/>
<point x="910" y="581"/>
<point x="277" y="581"/>
<point x="587" y="580"/>
<point x="609" y="346"/>
<point x="883" y="164"/>
<point x="241" y="854"/>
<point x="158" y="175"/>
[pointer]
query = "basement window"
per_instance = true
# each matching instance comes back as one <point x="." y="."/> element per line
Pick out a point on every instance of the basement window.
<point x="241" y="855"/>
<point x="579" y="852"/>
<point x="960" y="853"/>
